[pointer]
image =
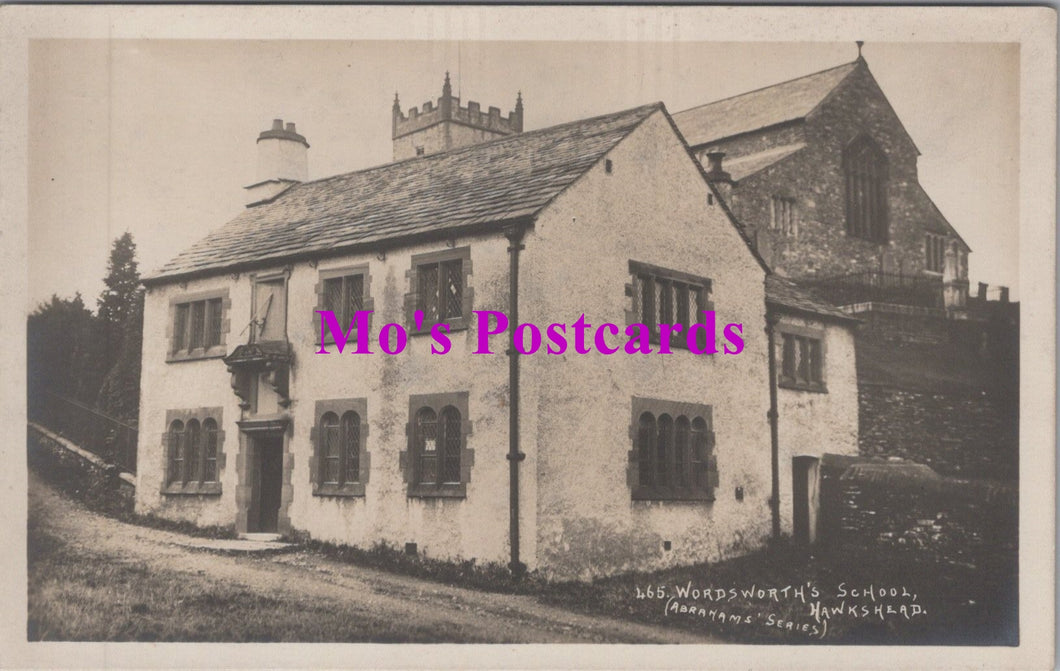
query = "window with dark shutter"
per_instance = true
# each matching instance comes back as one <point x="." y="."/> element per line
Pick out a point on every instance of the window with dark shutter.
<point x="209" y="430"/>
<point x="339" y="464"/>
<point x="661" y="296"/>
<point x="344" y="292"/>
<point x="329" y="437"/>
<point x="802" y="354"/>
<point x="180" y="327"/>
<point x="176" y="452"/>
<point x="438" y="460"/>
<point x="192" y="438"/>
<point x="199" y="326"/>
<point x="672" y="452"/>
<point x="439" y="288"/>
<point x="450" y="442"/>
<point x="193" y="451"/>
<point x="441" y="293"/>
<point x="427" y="446"/>
<point x="438" y="442"/>
<point x="351" y="447"/>
<point x="646" y="448"/>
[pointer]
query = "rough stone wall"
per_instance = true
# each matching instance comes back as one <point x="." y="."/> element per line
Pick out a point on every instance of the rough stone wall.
<point x="473" y="527"/>
<point x="814" y="177"/>
<point x="973" y="523"/>
<point x="906" y="324"/>
<point x="651" y="208"/>
<point x="968" y="433"/>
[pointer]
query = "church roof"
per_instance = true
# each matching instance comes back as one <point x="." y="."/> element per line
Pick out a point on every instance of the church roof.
<point x="762" y="108"/>
<point x="788" y="295"/>
<point x="745" y="166"/>
<point x="482" y="185"/>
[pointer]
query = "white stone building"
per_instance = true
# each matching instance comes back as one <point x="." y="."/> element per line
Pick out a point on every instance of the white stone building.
<point x="574" y="464"/>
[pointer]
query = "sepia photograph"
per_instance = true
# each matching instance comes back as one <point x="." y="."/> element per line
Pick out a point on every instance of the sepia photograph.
<point x="535" y="335"/>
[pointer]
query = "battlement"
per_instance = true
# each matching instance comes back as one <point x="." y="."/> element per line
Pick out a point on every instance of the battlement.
<point x="484" y="125"/>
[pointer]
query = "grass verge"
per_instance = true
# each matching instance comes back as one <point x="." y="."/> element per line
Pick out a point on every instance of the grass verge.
<point x="79" y="596"/>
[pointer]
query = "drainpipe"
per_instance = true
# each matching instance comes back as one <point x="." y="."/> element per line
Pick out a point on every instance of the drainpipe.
<point x="774" y="440"/>
<point x="515" y="238"/>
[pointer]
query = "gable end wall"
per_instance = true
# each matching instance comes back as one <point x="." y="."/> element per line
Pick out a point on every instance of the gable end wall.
<point x="653" y="208"/>
<point x="814" y="178"/>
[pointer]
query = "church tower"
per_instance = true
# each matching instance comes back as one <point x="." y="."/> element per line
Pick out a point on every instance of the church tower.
<point x="447" y="125"/>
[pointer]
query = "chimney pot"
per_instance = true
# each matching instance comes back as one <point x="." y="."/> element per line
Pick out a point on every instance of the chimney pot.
<point x="277" y="124"/>
<point x="715" y="172"/>
<point x="290" y="127"/>
<point x="1004" y="294"/>
<point x="981" y="294"/>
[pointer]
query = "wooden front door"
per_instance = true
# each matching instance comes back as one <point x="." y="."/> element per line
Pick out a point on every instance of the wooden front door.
<point x="268" y="484"/>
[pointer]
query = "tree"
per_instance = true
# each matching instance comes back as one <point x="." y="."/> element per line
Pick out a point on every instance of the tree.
<point x="119" y="396"/>
<point x="118" y="301"/>
<point x="94" y="359"/>
<point x="121" y="319"/>
<point x="64" y="350"/>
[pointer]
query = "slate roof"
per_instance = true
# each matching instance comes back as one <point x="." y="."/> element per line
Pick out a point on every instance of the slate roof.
<point x="488" y="184"/>
<point x="745" y="166"/>
<point x="762" y="108"/>
<point x="789" y="296"/>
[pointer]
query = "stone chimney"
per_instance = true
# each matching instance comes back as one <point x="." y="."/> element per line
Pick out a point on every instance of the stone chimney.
<point x="1004" y="294"/>
<point x="981" y="294"/>
<point x="717" y="176"/>
<point x="282" y="161"/>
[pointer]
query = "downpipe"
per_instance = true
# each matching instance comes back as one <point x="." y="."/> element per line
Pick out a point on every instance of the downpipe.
<point x="515" y="456"/>
<point x="773" y="415"/>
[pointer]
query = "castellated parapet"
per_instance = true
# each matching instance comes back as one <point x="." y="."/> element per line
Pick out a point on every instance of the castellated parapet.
<point x="447" y="125"/>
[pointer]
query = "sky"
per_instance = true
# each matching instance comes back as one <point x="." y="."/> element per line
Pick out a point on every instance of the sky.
<point x="157" y="137"/>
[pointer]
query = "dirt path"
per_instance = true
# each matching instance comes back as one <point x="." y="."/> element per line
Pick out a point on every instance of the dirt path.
<point x="416" y="605"/>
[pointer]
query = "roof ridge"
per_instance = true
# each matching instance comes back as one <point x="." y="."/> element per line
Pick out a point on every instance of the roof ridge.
<point x="769" y="86"/>
<point x="476" y="145"/>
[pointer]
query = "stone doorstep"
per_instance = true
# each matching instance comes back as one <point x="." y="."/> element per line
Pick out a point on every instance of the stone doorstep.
<point x="262" y="537"/>
<point x="245" y="544"/>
